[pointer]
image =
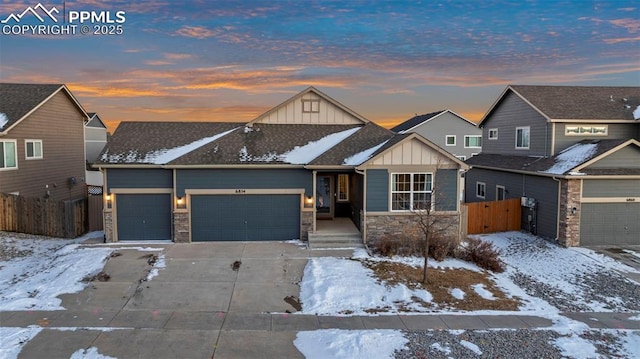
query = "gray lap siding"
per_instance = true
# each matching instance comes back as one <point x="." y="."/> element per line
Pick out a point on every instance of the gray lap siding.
<point x="543" y="189"/>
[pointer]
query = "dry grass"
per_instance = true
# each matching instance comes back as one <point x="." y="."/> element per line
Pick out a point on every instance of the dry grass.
<point x="440" y="282"/>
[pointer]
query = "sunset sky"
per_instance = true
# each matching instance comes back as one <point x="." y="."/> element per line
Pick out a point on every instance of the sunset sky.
<point x="386" y="60"/>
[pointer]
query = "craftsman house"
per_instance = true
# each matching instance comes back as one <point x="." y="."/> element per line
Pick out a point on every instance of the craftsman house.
<point x="42" y="151"/>
<point x="306" y="165"/>
<point x="572" y="154"/>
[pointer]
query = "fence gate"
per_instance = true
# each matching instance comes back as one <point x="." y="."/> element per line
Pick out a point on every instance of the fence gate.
<point x="94" y="214"/>
<point x="495" y="216"/>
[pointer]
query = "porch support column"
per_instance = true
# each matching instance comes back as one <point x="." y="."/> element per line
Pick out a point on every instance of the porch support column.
<point x="313" y="195"/>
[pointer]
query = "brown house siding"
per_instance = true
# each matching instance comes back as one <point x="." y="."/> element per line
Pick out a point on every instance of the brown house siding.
<point x="59" y="124"/>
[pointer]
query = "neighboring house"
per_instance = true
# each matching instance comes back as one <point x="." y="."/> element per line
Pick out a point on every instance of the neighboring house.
<point x="572" y="154"/>
<point x="95" y="137"/>
<point x="308" y="159"/>
<point x="42" y="150"/>
<point x="447" y="129"/>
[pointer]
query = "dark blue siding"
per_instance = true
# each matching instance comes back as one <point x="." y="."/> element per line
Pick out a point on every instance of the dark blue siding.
<point x="139" y="178"/>
<point x="446" y="190"/>
<point x="243" y="179"/>
<point x="543" y="189"/>
<point x="377" y="190"/>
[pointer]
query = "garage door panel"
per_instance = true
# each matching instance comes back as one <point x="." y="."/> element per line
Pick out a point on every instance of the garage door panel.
<point x="245" y="217"/>
<point x="144" y="216"/>
<point x="610" y="223"/>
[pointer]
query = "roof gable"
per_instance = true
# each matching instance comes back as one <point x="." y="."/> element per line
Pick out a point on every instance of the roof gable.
<point x="95" y="121"/>
<point x="20" y="100"/>
<point x="558" y="103"/>
<point x="419" y="120"/>
<point x="322" y="110"/>
<point x="412" y="149"/>
<point x="626" y="155"/>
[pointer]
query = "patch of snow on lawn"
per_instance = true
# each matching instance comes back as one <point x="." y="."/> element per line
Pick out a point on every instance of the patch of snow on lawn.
<point x="335" y="286"/>
<point x="3" y="120"/>
<point x="575" y="347"/>
<point x="13" y="339"/>
<point x="482" y="292"/>
<point x="90" y="353"/>
<point x="56" y="267"/>
<point x="571" y="157"/>
<point x="631" y="344"/>
<point x="165" y="156"/>
<point x="457" y="293"/>
<point x="302" y="155"/>
<point x="635" y="317"/>
<point x="348" y="344"/>
<point x="469" y="345"/>
<point x="363" y="156"/>
<point x="441" y="348"/>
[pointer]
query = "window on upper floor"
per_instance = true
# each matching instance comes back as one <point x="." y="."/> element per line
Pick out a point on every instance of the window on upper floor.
<point x="411" y="191"/>
<point x="450" y="140"/>
<point x="522" y="137"/>
<point x="493" y="133"/>
<point x="310" y="106"/>
<point x="33" y="149"/>
<point x="481" y="189"/>
<point x="474" y="141"/>
<point x="8" y="155"/>
<point x="586" y="130"/>
<point x="461" y="158"/>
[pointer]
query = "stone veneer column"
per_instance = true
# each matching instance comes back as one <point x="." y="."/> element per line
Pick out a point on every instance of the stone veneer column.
<point x="108" y="226"/>
<point x="569" y="233"/>
<point x="181" y="227"/>
<point x="306" y="224"/>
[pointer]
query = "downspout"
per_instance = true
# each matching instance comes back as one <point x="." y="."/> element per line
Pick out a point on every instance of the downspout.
<point x="557" y="239"/>
<point x="364" y="205"/>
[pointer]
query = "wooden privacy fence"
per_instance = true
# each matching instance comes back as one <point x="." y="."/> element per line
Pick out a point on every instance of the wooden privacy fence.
<point x="67" y="219"/>
<point x="495" y="216"/>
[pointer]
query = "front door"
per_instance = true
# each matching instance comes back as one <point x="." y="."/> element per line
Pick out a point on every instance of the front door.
<point x="324" y="197"/>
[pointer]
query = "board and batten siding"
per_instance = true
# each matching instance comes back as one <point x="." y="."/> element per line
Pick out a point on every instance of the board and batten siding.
<point x="60" y="126"/>
<point x="615" y="131"/>
<point x="328" y="113"/>
<point x="139" y="178"/>
<point x="377" y="190"/>
<point x="601" y="188"/>
<point x="543" y="189"/>
<point x="436" y="130"/>
<point x="414" y="153"/>
<point x="628" y="157"/>
<point x="513" y="112"/>
<point x="243" y="179"/>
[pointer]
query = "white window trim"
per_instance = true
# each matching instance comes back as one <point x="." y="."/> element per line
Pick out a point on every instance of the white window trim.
<point x="489" y="134"/>
<point x="465" y="141"/>
<point x="314" y="105"/>
<point x="15" y="142"/>
<point x="504" y="190"/>
<point x="461" y="158"/>
<point x="485" y="190"/>
<point x="26" y="157"/>
<point x="391" y="191"/>
<point x="566" y="127"/>
<point x="446" y="140"/>
<point x="528" y="128"/>
<point x="346" y="190"/>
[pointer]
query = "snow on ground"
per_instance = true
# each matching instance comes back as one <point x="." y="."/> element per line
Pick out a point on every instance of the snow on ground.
<point x="469" y="345"/>
<point x="56" y="267"/>
<point x="302" y="155"/>
<point x="90" y="353"/>
<point x="457" y="293"/>
<point x="482" y="292"/>
<point x="571" y="157"/>
<point x="348" y="344"/>
<point x="574" y="346"/>
<point x="157" y="266"/>
<point x="13" y="339"/>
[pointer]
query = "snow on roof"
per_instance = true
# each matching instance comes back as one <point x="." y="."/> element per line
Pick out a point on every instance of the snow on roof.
<point x="363" y="156"/>
<point x="304" y="154"/>
<point x="167" y="155"/>
<point x="3" y="120"/>
<point x="571" y="157"/>
<point x="636" y="114"/>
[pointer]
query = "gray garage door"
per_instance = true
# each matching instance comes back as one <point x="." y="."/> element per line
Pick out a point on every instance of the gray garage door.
<point x="610" y="223"/>
<point x="143" y="216"/>
<point x="245" y="217"/>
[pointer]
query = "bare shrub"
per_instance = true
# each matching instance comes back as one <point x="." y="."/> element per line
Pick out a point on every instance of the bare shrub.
<point x="483" y="254"/>
<point x="441" y="247"/>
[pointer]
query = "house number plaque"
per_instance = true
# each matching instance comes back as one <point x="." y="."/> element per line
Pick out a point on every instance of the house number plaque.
<point x="240" y="191"/>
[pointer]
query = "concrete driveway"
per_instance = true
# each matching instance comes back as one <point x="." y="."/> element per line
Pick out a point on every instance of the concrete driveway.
<point x="199" y="306"/>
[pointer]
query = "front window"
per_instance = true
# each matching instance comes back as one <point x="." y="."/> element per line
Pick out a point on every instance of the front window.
<point x="343" y="188"/>
<point x="8" y="155"/>
<point x="411" y="191"/>
<point x="33" y="149"/>
<point x="472" y="141"/>
<point x="522" y="138"/>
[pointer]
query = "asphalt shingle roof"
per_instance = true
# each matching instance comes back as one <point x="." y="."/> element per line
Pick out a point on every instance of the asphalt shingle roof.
<point x="16" y="100"/>
<point x="582" y="102"/>
<point x="368" y="137"/>
<point x="415" y="121"/>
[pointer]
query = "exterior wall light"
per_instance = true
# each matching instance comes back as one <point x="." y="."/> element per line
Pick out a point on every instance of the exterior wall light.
<point x="180" y="203"/>
<point x="308" y="201"/>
